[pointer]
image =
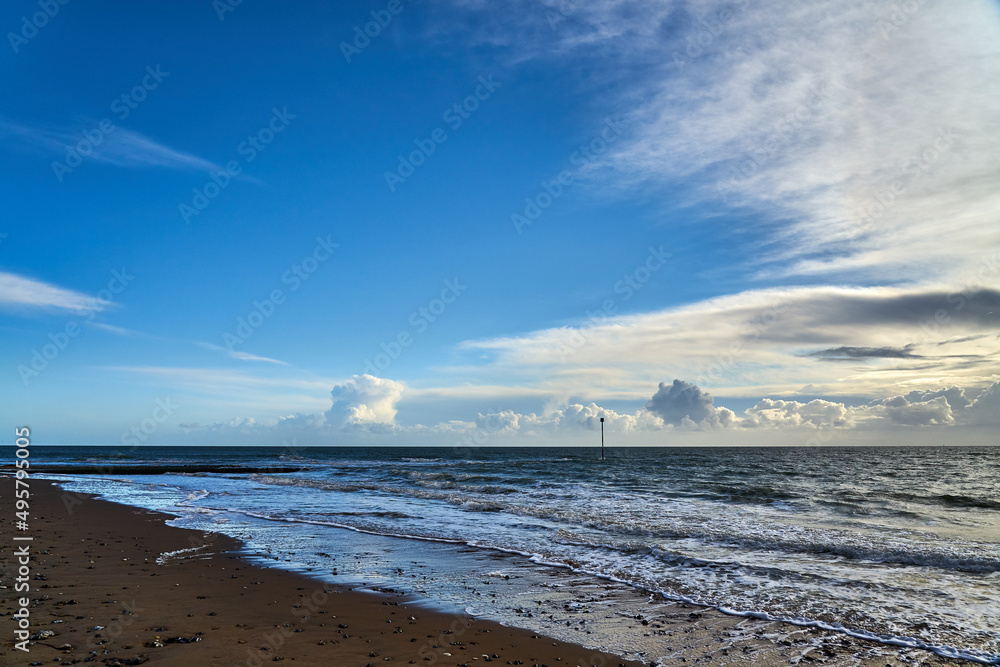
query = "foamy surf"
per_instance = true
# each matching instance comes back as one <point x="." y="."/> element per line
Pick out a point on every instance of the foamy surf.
<point x="814" y="538"/>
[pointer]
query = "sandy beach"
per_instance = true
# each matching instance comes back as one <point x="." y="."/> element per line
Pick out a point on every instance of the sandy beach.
<point x="102" y="592"/>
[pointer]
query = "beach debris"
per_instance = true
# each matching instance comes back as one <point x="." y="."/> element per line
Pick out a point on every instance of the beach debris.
<point x="43" y="634"/>
<point x="126" y="662"/>
<point x="182" y="640"/>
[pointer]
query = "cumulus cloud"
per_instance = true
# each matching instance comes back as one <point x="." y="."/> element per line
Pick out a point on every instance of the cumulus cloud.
<point x="954" y="396"/>
<point x="686" y="405"/>
<point x="934" y="411"/>
<point x="985" y="410"/>
<point x="818" y="413"/>
<point x="365" y="404"/>
<point x="939" y="407"/>
<point x="569" y="418"/>
<point x="679" y="401"/>
<point x="365" y="400"/>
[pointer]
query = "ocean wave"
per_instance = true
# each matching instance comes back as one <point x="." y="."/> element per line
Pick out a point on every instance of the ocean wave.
<point x="381" y="515"/>
<point x="861" y="576"/>
<point x="167" y="556"/>
<point x="959" y="500"/>
<point x="186" y="469"/>
<point x="967" y="501"/>
<point x="966" y="557"/>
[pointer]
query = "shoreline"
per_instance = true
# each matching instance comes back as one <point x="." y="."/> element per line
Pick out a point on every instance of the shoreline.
<point x="171" y="595"/>
<point x="208" y="605"/>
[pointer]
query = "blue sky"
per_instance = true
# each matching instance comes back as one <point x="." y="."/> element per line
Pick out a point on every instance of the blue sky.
<point x="536" y="212"/>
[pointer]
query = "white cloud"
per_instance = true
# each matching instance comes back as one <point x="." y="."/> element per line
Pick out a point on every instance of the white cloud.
<point x="934" y="411"/>
<point x="841" y="340"/>
<point x="818" y="413"/>
<point x="679" y="401"/>
<point x="20" y="291"/>
<point x="985" y="410"/>
<point x="118" y="331"/>
<point x="365" y="406"/>
<point x="861" y="145"/>
<point x="125" y="148"/>
<point x="120" y="148"/>
<point x="569" y="418"/>
<point x="238" y="354"/>
<point x="683" y="407"/>
<point x="365" y="400"/>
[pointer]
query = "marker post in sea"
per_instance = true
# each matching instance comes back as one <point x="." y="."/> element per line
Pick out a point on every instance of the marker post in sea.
<point x="602" y="438"/>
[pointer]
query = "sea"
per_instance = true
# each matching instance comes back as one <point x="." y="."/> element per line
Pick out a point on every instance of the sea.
<point x="900" y="545"/>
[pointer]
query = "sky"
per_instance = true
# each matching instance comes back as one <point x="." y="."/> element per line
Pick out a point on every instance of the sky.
<point x="495" y="223"/>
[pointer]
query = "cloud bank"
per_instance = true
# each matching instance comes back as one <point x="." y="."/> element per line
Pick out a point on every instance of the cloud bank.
<point x="365" y="407"/>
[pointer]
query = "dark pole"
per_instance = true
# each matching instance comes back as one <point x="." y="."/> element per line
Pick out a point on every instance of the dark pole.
<point x="602" y="438"/>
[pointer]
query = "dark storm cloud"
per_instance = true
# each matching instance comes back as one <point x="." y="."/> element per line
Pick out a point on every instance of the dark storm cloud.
<point x="929" y="313"/>
<point x="851" y="353"/>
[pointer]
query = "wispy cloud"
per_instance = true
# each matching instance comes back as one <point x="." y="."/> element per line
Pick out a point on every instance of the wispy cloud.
<point x="861" y="140"/>
<point x="19" y="291"/>
<point x="119" y="331"/>
<point x="237" y="354"/>
<point x="220" y="381"/>
<point x="120" y="148"/>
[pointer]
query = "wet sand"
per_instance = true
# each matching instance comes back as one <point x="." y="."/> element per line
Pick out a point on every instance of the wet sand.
<point x="102" y="593"/>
